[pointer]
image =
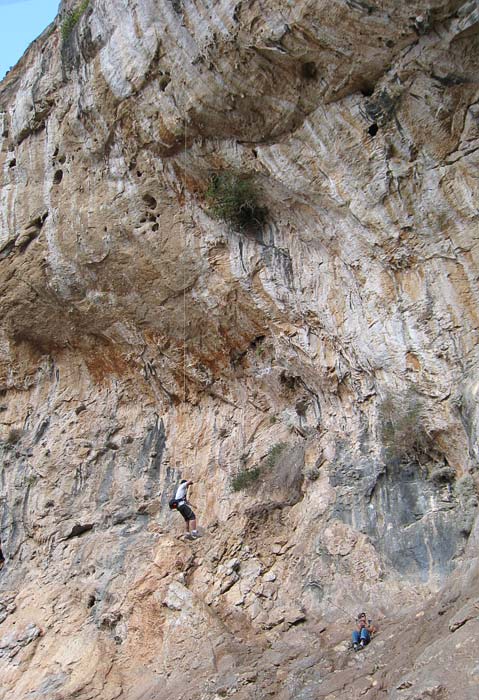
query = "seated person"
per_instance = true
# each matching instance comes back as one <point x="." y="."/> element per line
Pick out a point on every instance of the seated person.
<point x="362" y="634"/>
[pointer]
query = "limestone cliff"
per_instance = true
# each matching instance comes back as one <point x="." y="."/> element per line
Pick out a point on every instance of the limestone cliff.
<point x="314" y="371"/>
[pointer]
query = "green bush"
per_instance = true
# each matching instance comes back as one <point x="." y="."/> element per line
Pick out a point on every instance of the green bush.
<point x="72" y="18"/>
<point x="233" y="198"/>
<point x="273" y="455"/>
<point x="245" y="478"/>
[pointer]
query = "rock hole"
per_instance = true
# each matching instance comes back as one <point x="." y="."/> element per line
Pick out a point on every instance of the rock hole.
<point x="309" y="70"/>
<point x="289" y="381"/>
<point x="78" y="530"/>
<point x="12" y="163"/>
<point x="177" y="6"/>
<point x="139" y="173"/>
<point x="62" y="159"/>
<point x="58" y="177"/>
<point x="165" y="80"/>
<point x="373" y="129"/>
<point x="91" y="600"/>
<point x="257" y="341"/>
<point x="149" y="201"/>
<point x="155" y="227"/>
<point x="367" y="89"/>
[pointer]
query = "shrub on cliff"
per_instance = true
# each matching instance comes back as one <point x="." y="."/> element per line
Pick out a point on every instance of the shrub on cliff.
<point x="246" y="477"/>
<point x="403" y="430"/>
<point x="273" y="455"/>
<point x="72" y="18"/>
<point x="233" y="198"/>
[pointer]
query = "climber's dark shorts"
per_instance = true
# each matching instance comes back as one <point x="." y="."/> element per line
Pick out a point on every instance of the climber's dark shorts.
<point x="187" y="512"/>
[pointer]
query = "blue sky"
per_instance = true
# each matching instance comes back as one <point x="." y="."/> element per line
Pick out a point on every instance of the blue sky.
<point x="21" y="21"/>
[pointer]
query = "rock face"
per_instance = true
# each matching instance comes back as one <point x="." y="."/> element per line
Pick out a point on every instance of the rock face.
<point x="321" y="360"/>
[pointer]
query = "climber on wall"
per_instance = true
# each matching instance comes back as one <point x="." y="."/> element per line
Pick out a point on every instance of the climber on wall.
<point x="362" y="634"/>
<point x="185" y="509"/>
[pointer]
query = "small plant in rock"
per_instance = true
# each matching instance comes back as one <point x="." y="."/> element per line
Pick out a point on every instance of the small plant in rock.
<point x="465" y="489"/>
<point x="233" y="198"/>
<point x="403" y="430"/>
<point x="245" y="478"/>
<point x="72" y="18"/>
<point x="273" y="455"/>
<point x="313" y="474"/>
<point x="13" y="436"/>
<point x="442" y="475"/>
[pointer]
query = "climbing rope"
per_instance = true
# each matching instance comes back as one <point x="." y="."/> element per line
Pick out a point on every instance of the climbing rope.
<point x="184" y="261"/>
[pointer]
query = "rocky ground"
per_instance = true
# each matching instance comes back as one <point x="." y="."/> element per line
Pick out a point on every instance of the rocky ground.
<point x="217" y="617"/>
